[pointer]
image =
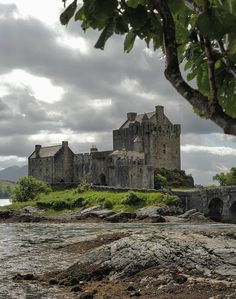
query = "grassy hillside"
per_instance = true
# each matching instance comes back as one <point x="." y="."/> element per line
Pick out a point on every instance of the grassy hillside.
<point x="6" y="189"/>
<point x="59" y="202"/>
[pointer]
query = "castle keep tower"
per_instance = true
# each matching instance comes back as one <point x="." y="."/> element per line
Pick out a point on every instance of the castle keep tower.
<point x="153" y="134"/>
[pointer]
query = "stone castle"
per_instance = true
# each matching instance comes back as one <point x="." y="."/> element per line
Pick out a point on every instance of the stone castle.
<point x="142" y="144"/>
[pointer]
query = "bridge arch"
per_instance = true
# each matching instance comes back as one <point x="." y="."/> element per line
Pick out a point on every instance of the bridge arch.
<point x="215" y="209"/>
<point x="232" y="211"/>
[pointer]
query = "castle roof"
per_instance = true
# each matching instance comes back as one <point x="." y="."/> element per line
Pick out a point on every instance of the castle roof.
<point x="138" y="118"/>
<point x="48" y="151"/>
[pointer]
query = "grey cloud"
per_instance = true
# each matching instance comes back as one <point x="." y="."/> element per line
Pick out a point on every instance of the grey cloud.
<point x="206" y="164"/>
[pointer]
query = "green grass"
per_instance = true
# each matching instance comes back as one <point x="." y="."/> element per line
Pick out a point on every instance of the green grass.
<point x="63" y="202"/>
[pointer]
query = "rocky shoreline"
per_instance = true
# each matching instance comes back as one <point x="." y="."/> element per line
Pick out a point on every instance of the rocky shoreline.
<point x="150" y="264"/>
<point x="164" y="262"/>
<point x="151" y="214"/>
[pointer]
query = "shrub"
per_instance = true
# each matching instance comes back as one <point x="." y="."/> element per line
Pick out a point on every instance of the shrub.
<point x="61" y="205"/>
<point x="171" y="200"/>
<point x="172" y="178"/>
<point x="100" y="200"/>
<point x="132" y="199"/>
<point x="78" y="202"/>
<point x="83" y="187"/>
<point x="108" y="204"/>
<point x="44" y="204"/>
<point x="29" y="188"/>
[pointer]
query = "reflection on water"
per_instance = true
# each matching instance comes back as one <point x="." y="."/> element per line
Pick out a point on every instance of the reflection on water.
<point x="4" y="202"/>
<point x="31" y="248"/>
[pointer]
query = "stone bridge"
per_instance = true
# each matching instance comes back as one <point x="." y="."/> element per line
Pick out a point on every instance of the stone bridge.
<point x="218" y="203"/>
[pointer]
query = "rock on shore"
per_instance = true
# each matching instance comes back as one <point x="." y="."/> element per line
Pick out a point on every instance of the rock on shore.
<point x="154" y="262"/>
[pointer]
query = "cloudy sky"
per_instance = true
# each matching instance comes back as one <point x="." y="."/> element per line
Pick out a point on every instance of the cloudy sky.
<point x="55" y="86"/>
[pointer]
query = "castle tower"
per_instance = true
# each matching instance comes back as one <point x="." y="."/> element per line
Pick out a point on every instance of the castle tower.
<point x="138" y="145"/>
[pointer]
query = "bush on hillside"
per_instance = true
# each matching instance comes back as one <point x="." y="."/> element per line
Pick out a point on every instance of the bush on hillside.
<point x="226" y="179"/>
<point x="29" y="188"/>
<point x="78" y="202"/>
<point x="83" y="187"/>
<point x="61" y="204"/>
<point x="132" y="199"/>
<point x="107" y="204"/>
<point x="165" y="178"/>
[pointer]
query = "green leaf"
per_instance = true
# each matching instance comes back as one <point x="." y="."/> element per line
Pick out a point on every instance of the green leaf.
<point x="68" y="13"/>
<point x="227" y="98"/>
<point x="137" y="17"/>
<point x="135" y="3"/>
<point x="121" y="25"/>
<point x="216" y="18"/>
<point x="105" y="8"/>
<point x="129" y="41"/>
<point x="176" y="5"/>
<point x="157" y="41"/>
<point x="202" y="80"/>
<point x="105" y="35"/>
<point x="191" y="76"/>
<point x="80" y="15"/>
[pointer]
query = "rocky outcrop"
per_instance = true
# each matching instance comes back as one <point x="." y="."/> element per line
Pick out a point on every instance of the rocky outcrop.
<point x="121" y="217"/>
<point x="194" y="216"/>
<point x="169" y="264"/>
<point x="174" y="251"/>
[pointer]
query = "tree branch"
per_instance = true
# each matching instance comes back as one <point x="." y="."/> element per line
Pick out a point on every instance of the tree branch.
<point x="210" y="62"/>
<point x="209" y="110"/>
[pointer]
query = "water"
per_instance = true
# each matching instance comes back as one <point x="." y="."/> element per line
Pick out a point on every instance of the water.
<point x="32" y="248"/>
<point x="4" y="202"/>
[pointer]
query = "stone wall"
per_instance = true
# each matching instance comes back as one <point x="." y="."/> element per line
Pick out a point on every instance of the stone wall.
<point x="82" y="168"/>
<point x="63" y="165"/>
<point x="165" y="150"/>
<point x="133" y="176"/>
<point x="41" y="168"/>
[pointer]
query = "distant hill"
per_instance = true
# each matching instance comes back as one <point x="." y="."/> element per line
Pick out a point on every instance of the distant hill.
<point x="13" y="173"/>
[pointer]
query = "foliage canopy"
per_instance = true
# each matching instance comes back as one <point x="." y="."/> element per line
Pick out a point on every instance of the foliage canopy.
<point x="201" y="34"/>
<point x="29" y="188"/>
<point x="226" y="179"/>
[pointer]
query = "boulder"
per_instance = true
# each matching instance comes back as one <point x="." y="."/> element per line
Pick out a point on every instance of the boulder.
<point x="121" y="217"/>
<point x="188" y="213"/>
<point x="7" y="214"/>
<point x="152" y="211"/>
<point x="30" y="210"/>
<point x="91" y="209"/>
<point x="194" y="216"/>
<point x="95" y="211"/>
<point x="102" y="213"/>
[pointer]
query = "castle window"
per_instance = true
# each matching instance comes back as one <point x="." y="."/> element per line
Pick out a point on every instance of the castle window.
<point x="164" y="148"/>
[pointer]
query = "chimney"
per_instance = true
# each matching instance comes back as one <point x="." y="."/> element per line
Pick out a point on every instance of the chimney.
<point x="65" y="144"/>
<point x="37" y="150"/>
<point x="93" y="149"/>
<point x="131" y="116"/>
<point x="160" y="113"/>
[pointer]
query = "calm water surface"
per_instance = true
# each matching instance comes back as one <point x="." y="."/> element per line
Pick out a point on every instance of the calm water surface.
<point x="4" y="202"/>
<point x="32" y="248"/>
